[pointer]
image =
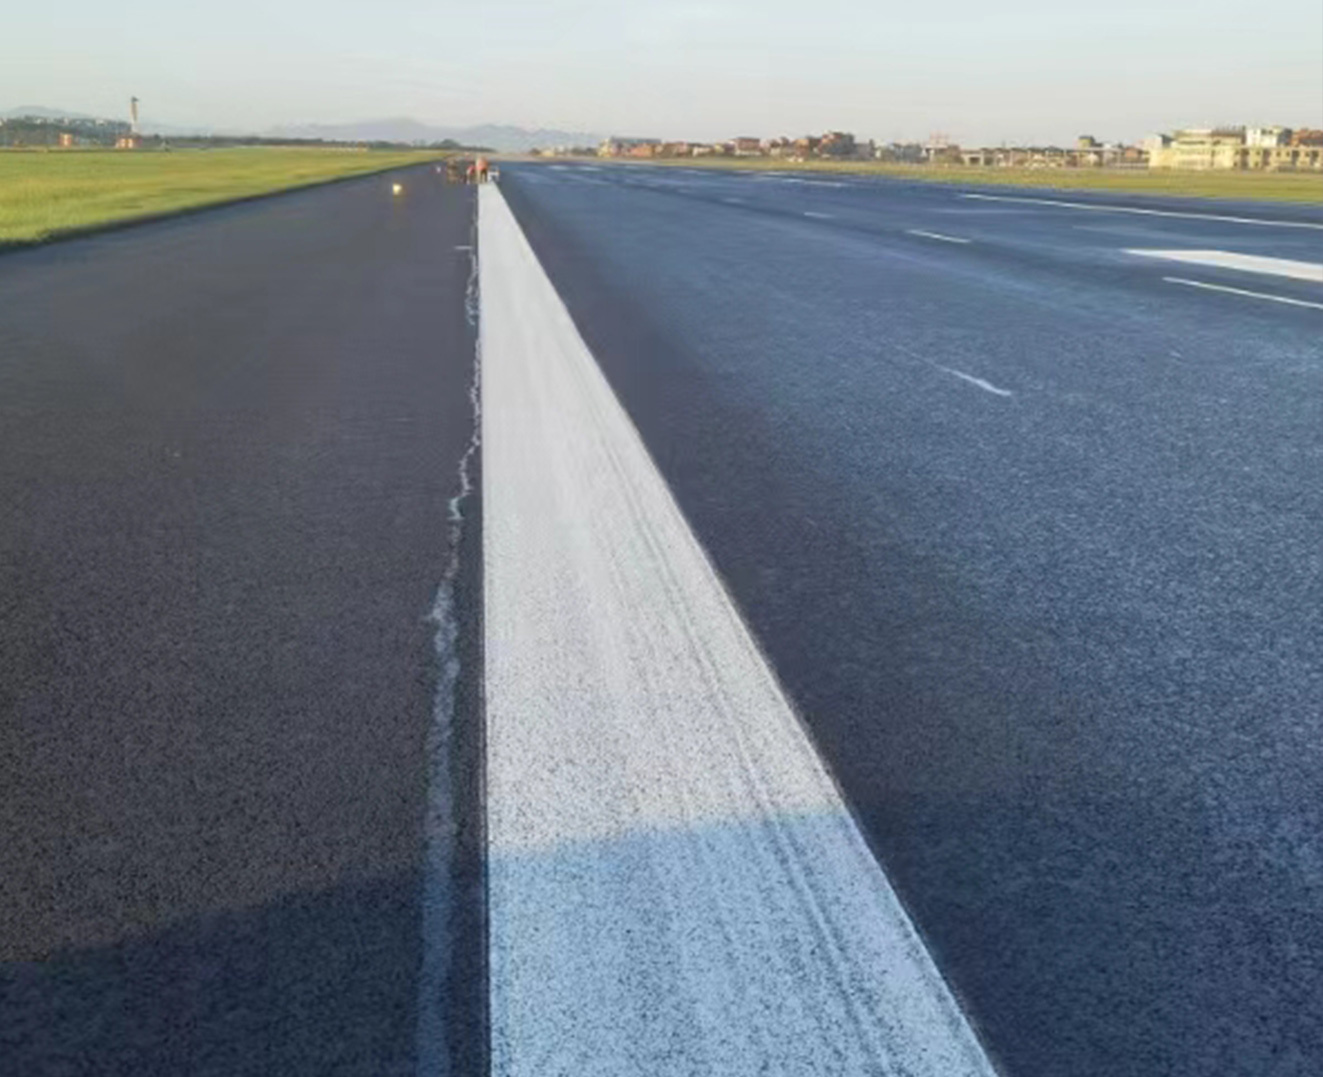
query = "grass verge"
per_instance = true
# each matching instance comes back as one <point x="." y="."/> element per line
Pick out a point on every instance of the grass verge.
<point x="44" y="194"/>
<point x="1305" y="187"/>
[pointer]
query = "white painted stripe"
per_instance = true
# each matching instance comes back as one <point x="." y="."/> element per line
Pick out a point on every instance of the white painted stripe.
<point x="675" y="885"/>
<point x="733" y="201"/>
<point x="1248" y="263"/>
<point x="782" y="177"/>
<point x="819" y="216"/>
<point x="987" y="385"/>
<point x="1097" y="208"/>
<point x="936" y="235"/>
<point x="1242" y="291"/>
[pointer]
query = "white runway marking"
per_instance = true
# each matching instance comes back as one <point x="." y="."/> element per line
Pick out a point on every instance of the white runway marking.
<point x="733" y="201"/>
<point x="936" y="235"/>
<point x="782" y="177"/>
<point x="1248" y="263"/>
<point x="1242" y="291"/>
<point x="819" y="216"/>
<point x="1095" y="207"/>
<point x="675" y="885"/>
<point x="986" y="385"/>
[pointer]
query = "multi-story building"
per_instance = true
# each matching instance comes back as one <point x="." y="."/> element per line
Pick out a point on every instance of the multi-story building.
<point x="836" y="144"/>
<point x="1263" y="137"/>
<point x="1254" y="148"/>
<point x="629" y="147"/>
<point x="1198" y="148"/>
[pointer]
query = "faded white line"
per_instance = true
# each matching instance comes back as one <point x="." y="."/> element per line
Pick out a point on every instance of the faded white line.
<point x="733" y="201"/>
<point x="675" y="885"/>
<point x="986" y="385"/>
<point x="1242" y="291"/>
<point x="935" y="235"/>
<point x="781" y="177"/>
<point x="1246" y="263"/>
<point x="819" y="216"/>
<point x="1094" y="207"/>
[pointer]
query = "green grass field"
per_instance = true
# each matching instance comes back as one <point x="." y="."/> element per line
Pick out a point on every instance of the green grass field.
<point x="46" y="193"/>
<point x="1274" y="186"/>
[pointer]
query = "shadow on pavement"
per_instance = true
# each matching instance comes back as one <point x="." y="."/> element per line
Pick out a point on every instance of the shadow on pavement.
<point x="318" y="983"/>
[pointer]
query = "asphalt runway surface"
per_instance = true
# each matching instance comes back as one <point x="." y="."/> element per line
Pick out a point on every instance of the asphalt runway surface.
<point x="1029" y="528"/>
<point x="228" y="444"/>
<point x="1025" y="523"/>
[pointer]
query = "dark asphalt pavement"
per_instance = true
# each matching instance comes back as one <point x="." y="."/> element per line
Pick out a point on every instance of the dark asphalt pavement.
<point x="227" y="443"/>
<point x="1032" y="537"/>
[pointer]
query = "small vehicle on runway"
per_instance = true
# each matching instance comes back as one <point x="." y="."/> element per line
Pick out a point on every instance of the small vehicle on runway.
<point x="471" y="170"/>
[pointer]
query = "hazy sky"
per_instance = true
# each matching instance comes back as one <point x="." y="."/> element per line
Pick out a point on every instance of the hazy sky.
<point x="980" y="70"/>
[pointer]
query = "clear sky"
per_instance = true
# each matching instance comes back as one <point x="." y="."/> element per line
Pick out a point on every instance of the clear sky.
<point x="983" y="71"/>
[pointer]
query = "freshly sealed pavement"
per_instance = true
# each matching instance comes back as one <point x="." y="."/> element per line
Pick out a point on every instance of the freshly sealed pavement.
<point x="227" y="447"/>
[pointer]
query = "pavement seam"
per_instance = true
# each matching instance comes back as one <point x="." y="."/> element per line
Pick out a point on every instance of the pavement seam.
<point x="435" y="1048"/>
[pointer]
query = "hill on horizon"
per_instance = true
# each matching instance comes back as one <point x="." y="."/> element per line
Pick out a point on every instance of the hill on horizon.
<point x="42" y="112"/>
<point x="503" y="137"/>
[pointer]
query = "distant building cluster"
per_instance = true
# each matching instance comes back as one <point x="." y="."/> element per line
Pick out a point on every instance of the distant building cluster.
<point x="835" y="144"/>
<point x="63" y="132"/>
<point x="79" y="132"/>
<point x="1271" y="148"/>
<point x="1247" y="148"/>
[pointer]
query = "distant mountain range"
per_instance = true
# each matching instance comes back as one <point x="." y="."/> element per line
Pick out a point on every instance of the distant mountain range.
<point x="400" y="129"/>
<point x="40" y="112"/>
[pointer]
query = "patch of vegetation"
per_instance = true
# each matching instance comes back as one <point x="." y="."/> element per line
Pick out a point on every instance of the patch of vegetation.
<point x="1246" y="186"/>
<point x="46" y="193"/>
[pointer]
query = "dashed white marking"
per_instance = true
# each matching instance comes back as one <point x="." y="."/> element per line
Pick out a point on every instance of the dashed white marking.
<point x="675" y="885"/>
<point x="936" y="235"/>
<point x="985" y="385"/>
<point x="1247" y="263"/>
<point x="782" y="177"/>
<point x="733" y="201"/>
<point x="1097" y="208"/>
<point x="819" y="216"/>
<point x="1242" y="291"/>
